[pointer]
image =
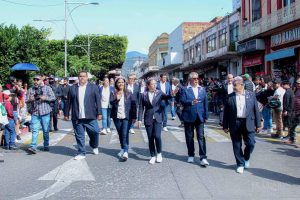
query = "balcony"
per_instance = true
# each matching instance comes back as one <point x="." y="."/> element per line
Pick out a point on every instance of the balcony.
<point x="276" y="19"/>
<point x="151" y="69"/>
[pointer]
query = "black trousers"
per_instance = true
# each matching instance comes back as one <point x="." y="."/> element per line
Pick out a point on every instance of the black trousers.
<point x="53" y="120"/>
<point x="189" y="128"/>
<point x="240" y="134"/>
<point x="154" y="137"/>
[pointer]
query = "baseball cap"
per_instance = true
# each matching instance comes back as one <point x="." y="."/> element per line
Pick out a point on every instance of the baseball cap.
<point x="247" y="76"/>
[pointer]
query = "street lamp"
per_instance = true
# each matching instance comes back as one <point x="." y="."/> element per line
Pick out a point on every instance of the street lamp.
<point x="79" y="4"/>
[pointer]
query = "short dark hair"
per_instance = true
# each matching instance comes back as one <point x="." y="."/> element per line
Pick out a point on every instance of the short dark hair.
<point x="83" y="71"/>
<point x="66" y="79"/>
<point x="161" y="75"/>
<point x="149" y="81"/>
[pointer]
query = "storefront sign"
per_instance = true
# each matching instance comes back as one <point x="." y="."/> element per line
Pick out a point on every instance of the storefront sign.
<point x="252" y="60"/>
<point x="250" y="46"/>
<point x="285" y="37"/>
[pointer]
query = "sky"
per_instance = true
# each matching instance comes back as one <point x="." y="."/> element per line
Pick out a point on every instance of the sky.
<point x="142" y="21"/>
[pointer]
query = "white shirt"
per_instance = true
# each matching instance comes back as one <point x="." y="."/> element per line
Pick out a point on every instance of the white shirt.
<point x="241" y="105"/>
<point x="195" y="90"/>
<point x="130" y="88"/>
<point x="142" y="89"/>
<point x="230" y="88"/>
<point x="163" y="87"/>
<point x="105" y="97"/>
<point x="174" y="87"/>
<point x="151" y="96"/>
<point x="121" y="108"/>
<point x="81" y="95"/>
<point x="280" y="93"/>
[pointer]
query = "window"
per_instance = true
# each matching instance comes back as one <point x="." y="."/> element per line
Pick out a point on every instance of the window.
<point x="186" y="55"/>
<point x="256" y="7"/>
<point x="198" y="49"/>
<point x="234" y="32"/>
<point x="211" y="43"/>
<point x="222" y="38"/>
<point x="163" y="55"/>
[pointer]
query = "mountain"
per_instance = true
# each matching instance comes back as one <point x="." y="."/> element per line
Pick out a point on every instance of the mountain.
<point x="135" y="54"/>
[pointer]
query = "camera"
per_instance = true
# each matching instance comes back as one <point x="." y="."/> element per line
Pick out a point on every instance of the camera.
<point x="38" y="92"/>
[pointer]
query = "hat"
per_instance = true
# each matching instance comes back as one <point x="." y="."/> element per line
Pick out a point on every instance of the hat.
<point x="247" y="76"/>
<point x="298" y="80"/>
<point x="37" y="77"/>
<point x="285" y="82"/>
<point x="277" y="81"/>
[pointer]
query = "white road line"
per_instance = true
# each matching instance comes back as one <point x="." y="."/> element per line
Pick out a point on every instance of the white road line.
<point x="215" y="135"/>
<point x="179" y="135"/>
<point x="58" y="136"/>
<point x="114" y="139"/>
<point x="144" y="134"/>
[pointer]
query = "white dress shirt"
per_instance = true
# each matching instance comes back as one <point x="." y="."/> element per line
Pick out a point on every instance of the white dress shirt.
<point x="151" y="96"/>
<point x="121" y="108"/>
<point x="142" y="89"/>
<point x="195" y="90"/>
<point x="130" y="88"/>
<point x="163" y="87"/>
<point x="241" y="105"/>
<point x="105" y="97"/>
<point x="230" y="88"/>
<point x="81" y="95"/>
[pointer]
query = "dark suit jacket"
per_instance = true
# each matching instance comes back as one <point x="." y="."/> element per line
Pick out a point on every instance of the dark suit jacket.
<point x="190" y="112"/>
<point x="168" y="91"/>
<point x="155" y="109"/>
<point x="252" y="113"/>
<point x="92" y="102"/>
<point x="136" y="91"/>
<point x="130" y="106"/>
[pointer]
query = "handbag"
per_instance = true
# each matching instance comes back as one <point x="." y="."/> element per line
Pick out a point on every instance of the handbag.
<point x="3" y="115"/>
<point x="274" y="103"/>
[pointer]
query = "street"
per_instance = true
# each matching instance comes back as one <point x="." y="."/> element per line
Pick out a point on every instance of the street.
<point x="274" y="172"/>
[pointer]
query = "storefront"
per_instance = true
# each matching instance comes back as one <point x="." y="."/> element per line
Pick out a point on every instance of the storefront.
<point x="284" y="56"/>
<point x="252" y="57"/>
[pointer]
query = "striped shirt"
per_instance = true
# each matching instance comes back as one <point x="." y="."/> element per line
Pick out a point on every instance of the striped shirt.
<point x="41" y="107"/>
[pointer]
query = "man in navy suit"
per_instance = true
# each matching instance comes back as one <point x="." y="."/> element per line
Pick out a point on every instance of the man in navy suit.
<point x="85" y="102"/>
<point x="165" y="87"/>
<point x="134" y="88"/>
<point x="194" y="115"/>
<point x="242" y="120"/>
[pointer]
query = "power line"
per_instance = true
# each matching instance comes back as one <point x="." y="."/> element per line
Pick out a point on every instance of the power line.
<point x="31" y="5"/>
<point x="73" y="22"/>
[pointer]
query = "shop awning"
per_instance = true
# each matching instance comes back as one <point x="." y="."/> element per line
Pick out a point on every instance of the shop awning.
<point x="280" y="54"/>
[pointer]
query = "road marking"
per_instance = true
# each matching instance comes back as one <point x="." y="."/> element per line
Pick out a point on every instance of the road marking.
<point x="179" y="135"/>
<point x="64" y="175"/>
<point x="144" y="134"/>
<point x="58" y="136"/>
<point x="215" y="135"/>
<point x="114" y="139"/>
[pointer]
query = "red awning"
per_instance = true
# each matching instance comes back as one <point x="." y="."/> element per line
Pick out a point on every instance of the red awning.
<point x="253" y="60"/>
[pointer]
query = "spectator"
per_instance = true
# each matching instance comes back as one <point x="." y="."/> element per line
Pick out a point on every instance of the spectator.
<point x="64" y="99"/>
<point x="288" y="104"/>
<point x="278" y="94"/>
<point x="54" y="104"/>
<point x="248" y="85"/>
<point x="9" y="130"/>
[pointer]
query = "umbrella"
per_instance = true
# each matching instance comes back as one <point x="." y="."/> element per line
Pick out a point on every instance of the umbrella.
<point x="25" y="67"/>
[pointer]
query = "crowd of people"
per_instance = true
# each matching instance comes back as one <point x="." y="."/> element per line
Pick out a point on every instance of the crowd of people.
<point x="244" y="106"/>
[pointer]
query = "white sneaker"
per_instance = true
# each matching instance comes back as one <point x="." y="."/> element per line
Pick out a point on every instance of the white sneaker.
<point x="152" y="160"/>
<point x="108" y="130"/>
<point x="125" y="156"/>
<point x="247" y="164"/>
<point x="159" y="158"/>
<point x="96" y="151"/>
<point x="131" y="131"/>
<point x="120" y="154"/>
<point x="79" y="157"/>
<point x="240" y="170"/>
<point x="165" y="129"/>
<point x="190" y="159"/>
<point x="204" y="162"/>
<point x="173" y="118"/>
<point x="103" y="132"/>
<point x="270" y="131"/>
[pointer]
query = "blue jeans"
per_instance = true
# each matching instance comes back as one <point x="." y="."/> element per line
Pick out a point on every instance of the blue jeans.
<point x="36" y="122"/>
<point x="173" y="110"/>
<point x="106" y="121"/>
<point x="165" y="114"/>
<point x="10" y="133"/>
<point x="91" y="127"/>
<point x="267" y="115"/>
<point x="122" y="126"/>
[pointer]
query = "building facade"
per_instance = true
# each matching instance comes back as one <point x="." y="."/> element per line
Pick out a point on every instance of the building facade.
<point x="270" y="37"/>
<point x="212" y="53"/>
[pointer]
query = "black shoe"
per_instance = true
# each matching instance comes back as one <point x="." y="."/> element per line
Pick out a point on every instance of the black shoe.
<point x="275" y="135"/>
<point x="221" y="124"/>
<point x="18" y="137"/>
<point x="56" y="129"/>
<point x="50" y="130"/>
<point x="46" y="149"/>
<point x="31" y="150"/>
<point x="14" y="147"/>
<point x="6" y="147"/>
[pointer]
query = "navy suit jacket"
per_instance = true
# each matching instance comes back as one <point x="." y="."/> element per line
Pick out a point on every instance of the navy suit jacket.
<point x="252" y="113"/>
<point x="190" y="112"/>
<point x="130" y="106"/>
<point x="155" y="109"/>
<point x="168" y="91"/>
<point x="92" y="102"/>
